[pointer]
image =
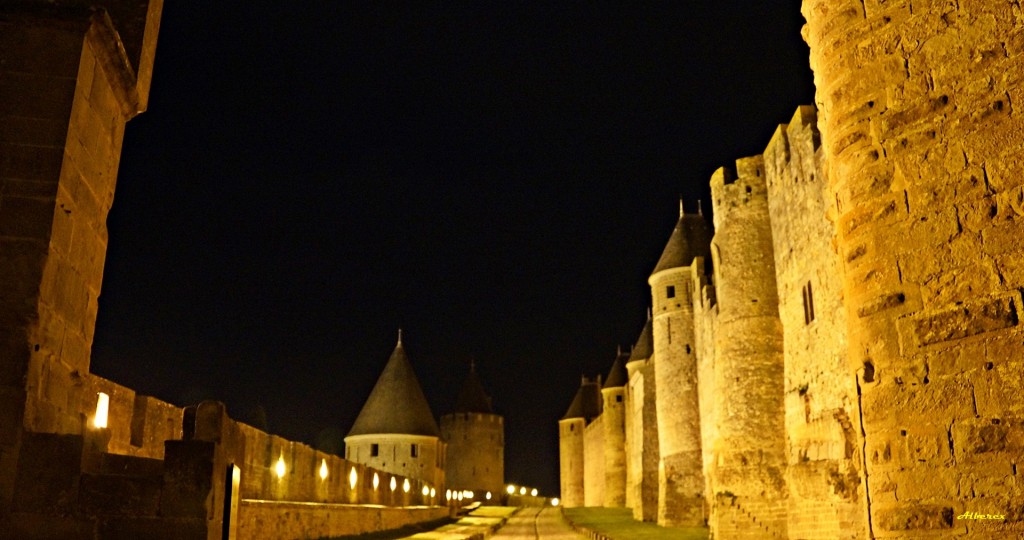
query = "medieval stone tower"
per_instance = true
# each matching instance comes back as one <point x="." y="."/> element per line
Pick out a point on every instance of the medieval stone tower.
<point x="613" y="395"/>
<point x="641" y="425"/>
<point x="395" y="431"/>
<point x="749" y="444"/>
<point x="585" y="407"/>
<point x="680" y="477"/>
<point x="474" y="438"/>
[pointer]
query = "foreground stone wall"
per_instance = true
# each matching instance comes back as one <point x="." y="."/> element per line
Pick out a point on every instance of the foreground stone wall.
<point x="923" y="138"/>
<point x="271" y="520"/>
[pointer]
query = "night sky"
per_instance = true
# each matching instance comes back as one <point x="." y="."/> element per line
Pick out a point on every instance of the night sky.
<point x="498" y="179"/>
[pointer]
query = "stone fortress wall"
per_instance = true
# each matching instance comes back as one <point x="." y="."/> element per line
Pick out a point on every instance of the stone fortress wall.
<point x="858" y="334"/>
<point x="71" y="76"/>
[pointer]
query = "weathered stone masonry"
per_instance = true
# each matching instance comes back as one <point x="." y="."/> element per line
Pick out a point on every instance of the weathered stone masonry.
<point x="881" y="362"/>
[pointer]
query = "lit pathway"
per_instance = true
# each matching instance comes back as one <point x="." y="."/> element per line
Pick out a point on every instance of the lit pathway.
<point x="529" y="524"/>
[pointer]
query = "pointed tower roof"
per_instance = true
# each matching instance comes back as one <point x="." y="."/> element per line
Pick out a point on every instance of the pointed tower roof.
<point x="587" y="403"/>
<point x="618" y="377"/>
<point x="396" y="403"/>
<point x="472" y="397"/>
<point x="644" y="347"/>
<point x="690" y="238"/>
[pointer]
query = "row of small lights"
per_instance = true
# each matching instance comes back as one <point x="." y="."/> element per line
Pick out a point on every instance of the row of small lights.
<point x="100" y="421"/>
<point x="102" y="412"/>
<point x="353" y="478"/>
<point x="512" y="489"/>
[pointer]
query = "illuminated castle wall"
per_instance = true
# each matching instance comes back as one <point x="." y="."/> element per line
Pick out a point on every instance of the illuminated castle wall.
<point x="856" y="330"/>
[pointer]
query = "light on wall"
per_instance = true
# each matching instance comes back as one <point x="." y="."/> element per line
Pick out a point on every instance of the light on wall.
<point x="280" y="468"/>
<point x="433" y="492"/>
<point x="534" y="492"/>
<point x="448" y="495"/>
<point x="353" y="477"/>
<point x="511" y="489"/>
<point x="323" y="469"/>
<point x="102" y="410"/>
<point x="406" y="486"/>
<point x="426" y="491"/>
<point x="522" y="491"/>
<point x="555" y="501"/>
<point x="376" y="481"/>
<point x="488" y="495"/>
<point x="394" y="484"/>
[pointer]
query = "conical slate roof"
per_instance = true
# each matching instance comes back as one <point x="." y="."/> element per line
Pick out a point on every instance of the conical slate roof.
<point x="472" y="397"/>
<point x="618" y="377"/>
<point x="396" y="403"/>
<point x="588" y="402"/>
<point x="690" y="238"/>
<point x="644" y="347"/>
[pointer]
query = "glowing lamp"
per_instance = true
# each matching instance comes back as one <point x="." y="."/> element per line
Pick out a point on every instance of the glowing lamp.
<point x="102" y="410"/>
<point x="522" y="491"/>
<point x="488" y="496"/>
<point x="394" y="484"/>
<point x="555" y="501"/>
<point x="406" y="486"/>
<point x="511" y="489"/>
<point x="323" y="469"/>
<point x="376" y="481"/>
<point x="280" y="468"/>
<point x="433" y="492"/>
<point x="426" y="491"/>
<point x="353" y="477"/>
<point x="534" y="492"/>
<point x="448" y="495"/>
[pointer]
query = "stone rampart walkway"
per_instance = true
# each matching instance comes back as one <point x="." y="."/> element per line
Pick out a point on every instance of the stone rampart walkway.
<point x="618" y="524"/>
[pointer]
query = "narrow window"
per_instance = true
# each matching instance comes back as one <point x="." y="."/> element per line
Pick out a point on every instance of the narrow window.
<point x="414" y="450"/>
<point x="618" y="399"/>
<point x="374" y="450"/>
<point x="808" y="303"/>
<point x="670" y="291"/>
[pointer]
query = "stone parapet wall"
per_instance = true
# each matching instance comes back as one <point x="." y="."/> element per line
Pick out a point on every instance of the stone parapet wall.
<point x="275" y="520"/>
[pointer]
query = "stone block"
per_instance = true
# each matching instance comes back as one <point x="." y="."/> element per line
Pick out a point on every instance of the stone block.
<point x="23" y="217"/>
<point x="48" y="526"/>
<point x="152" y="528"/>
<point x="962" y="320"/>
<point x="188" y="479"/>
<point x="40" y="48"/>
<point x="106" y="495"/>
<point x="914" y="518"/>
<point x="48" y="469"/>
<point x="27" y="162"/>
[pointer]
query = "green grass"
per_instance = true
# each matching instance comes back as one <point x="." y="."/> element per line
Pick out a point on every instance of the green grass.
<point x="618" y="523"/>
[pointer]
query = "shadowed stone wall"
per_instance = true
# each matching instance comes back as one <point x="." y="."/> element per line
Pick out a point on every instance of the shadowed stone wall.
<point x="614" y="418"/>
<point x="643" y="454"/>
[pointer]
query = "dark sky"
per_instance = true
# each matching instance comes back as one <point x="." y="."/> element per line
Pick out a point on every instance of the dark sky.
<point x="496" y="178"/>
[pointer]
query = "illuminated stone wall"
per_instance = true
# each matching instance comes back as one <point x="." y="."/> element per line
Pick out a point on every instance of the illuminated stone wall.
<point x="475" y="452"/>
<point x="415" y="456"/>
<point x="613" y="416"/>
<point x="923" y="136"/>
<point x="748" y="374"/>
<point x="705" y="312"/>
<point x="571" y="461"/>
<point x="642" y="483"/>
<point x="593" y="462"/>
<point x="824" y="451"/>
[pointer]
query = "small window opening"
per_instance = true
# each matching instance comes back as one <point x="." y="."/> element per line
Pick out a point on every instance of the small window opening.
<point x="670" y="291"/>
<point x="374" y="450"/>
<point x="618" y="399"/>
<point x="414" y="450"/>
<point x="808" y="303"/>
